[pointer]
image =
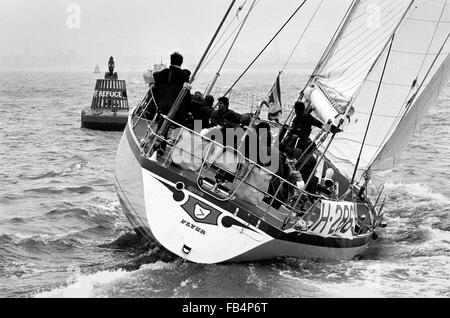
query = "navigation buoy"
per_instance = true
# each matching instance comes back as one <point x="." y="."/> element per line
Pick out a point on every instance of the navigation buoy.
<point x="109" y="107"/>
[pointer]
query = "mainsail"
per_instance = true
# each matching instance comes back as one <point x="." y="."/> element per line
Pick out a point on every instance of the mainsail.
<point x="358" y="45"/>
<point x="416" y="71"/>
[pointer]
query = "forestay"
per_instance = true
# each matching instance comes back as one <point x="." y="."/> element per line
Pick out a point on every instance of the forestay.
<point x="359" y="43"/>
<point x="402" y="101"/>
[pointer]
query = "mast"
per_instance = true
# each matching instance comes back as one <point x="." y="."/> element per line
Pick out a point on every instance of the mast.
<point x="334" y="40"/>
<point x="381" y="53"/>
<point x="216" y="76"/>
<point x="211" y="42"/>
<point x="265" y="47"/>
<point x="342" y="77"/>
<point x="356" y="49"/>
<point x="347" y="63"/>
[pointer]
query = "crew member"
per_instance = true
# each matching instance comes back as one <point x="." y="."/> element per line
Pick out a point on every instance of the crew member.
<point x="168" y="84"/>
<point x="218" y="115"/>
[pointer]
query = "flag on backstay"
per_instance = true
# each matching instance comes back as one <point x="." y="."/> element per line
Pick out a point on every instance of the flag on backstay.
<point x="273" y="101"/>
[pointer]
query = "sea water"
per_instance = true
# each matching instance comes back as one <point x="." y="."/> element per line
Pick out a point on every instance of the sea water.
<point x="63" y="232"/>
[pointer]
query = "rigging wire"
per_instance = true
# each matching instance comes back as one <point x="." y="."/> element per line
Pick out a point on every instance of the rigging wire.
<point x="432" y="39"/>
<point x="293" y="51"/>
<point x="211" y="58"/>
<point x="420" y="87"/>
<point x="211" y="55"/>
<point x="352" y="72"/>
<point x="358" y="43"/>
<point x="301" y="37"/>
<point x="226" y="29"/>
<point x="358" y="28"/>
<point x="265" y="47"/>
<point x="388" y="13"/>
<point x="325" y="54"/>
<point x="399" y="26"/>
<point x="348" y="75"/>
<point x="229" y="49"/>
<point x="409" y="98"/>
<point x="373" y="108"/>
<point x="208" y="48"/>
<point x="298" y="42"/>
<point x="337" y="34"/>
<point x="175" y="106"/>
<point x="332" y="46"/>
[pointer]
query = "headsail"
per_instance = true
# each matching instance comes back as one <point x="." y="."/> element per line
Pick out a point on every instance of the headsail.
<point x="402" y="101"/>
<point x="387" y="156"/>
<point x="359" y="44"/>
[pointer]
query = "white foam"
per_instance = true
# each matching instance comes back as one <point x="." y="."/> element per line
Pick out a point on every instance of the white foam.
<point x="85" y="285"/>
<point x="22" y="236"/>
<point x="439" y="235"/>
<point x="42" y="238"/>
<point x="90" y="285"/>
<point x="159" y="265"/>
<point x="419" y="277"/>
<point x="108" y="208"/>
<point x="254" y="279"/>
<point x="419" y="191"/>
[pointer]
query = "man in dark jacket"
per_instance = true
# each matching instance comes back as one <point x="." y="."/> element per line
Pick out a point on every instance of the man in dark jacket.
<point x="195" y="110"/>
<point x="218" y="115"/>
<point x="302" y="125"/>
<point x="297" y="142"/>
<point x="168" y="84"/>
<point x="206" y="111"/>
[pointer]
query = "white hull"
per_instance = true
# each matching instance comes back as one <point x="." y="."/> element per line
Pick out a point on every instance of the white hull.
<point x="149" y="202"/>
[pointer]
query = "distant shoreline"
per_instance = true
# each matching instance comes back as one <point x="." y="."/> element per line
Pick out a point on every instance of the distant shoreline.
<point x="233" y="68"/>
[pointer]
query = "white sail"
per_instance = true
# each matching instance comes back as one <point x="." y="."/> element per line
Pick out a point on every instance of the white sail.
<point x="415" y="47"/>
<point x="359" y="44"/>
<point x="388" y="155"/>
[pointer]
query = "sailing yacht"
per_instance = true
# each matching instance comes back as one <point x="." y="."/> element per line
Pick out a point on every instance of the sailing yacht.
<point x="373" y="85"/>
<point x="97" y="70"/>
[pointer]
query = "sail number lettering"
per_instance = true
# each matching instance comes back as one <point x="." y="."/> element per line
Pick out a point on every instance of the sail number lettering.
<point x="335" y="219"/>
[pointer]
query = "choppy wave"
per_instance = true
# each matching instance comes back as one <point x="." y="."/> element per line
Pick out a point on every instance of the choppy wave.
<point x="64" y="234"/>
<point x="100" y="284"/>
<point x="418" y="277"/>
<point x="84" y="285"/>
<point x="39" y="243"/>
<point x="416" y="191"/>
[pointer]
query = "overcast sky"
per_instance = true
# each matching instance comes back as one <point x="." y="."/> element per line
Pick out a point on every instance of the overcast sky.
<point x="47" y="33"/>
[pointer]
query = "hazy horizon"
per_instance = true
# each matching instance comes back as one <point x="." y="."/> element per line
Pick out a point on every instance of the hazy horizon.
<point x="77" y="35"/>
